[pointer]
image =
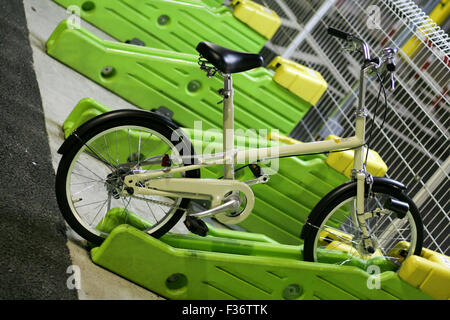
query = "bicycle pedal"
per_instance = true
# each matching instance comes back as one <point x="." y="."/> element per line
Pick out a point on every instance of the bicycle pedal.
<point x="196" y="226"/>
<point x="256" y="170"/>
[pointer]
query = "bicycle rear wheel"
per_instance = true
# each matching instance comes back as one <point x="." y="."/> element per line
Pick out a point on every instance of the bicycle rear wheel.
<point x="89" y="180"/>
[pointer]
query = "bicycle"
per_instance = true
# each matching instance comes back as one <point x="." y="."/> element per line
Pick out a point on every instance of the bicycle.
<point x="142" y="163"/>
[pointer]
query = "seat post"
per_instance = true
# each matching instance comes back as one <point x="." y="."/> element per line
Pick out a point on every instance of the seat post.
<point x="228" y="126"/>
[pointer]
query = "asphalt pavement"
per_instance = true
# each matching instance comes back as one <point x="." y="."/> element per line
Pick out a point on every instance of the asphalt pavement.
<point x="34" y="256"/>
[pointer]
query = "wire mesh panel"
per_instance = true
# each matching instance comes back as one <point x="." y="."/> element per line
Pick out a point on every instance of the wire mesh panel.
<point x="414" y="138"/>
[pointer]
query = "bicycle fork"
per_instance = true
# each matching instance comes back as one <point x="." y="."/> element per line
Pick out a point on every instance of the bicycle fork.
<point x="359" y="172"/>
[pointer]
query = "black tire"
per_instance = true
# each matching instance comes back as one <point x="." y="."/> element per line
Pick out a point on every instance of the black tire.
<point x="139" y="119"/>
<point x="325" y="208"/>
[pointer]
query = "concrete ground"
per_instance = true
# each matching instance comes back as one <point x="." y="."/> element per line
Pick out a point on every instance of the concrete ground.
<point x="61" y="89"/>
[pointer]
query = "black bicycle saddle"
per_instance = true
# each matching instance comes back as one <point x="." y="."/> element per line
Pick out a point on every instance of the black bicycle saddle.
<point x="227" y="60"/>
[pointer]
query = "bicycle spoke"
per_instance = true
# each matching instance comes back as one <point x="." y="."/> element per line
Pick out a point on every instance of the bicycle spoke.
<point x="129" y="142"/>
<point x="84" y="189"/>
<point x="139" y="148"/>
<point x="108" y="151"/>
<point x="101" y="159"/>
<point x="89" y="204"/>
<point x="117" y="149"/>
<point x="93" y="180"/>
<point x="151" y="211"/>
<point x="91" y="171"/>
<point x="126" y="207"/>
<point x="99" y="210"/>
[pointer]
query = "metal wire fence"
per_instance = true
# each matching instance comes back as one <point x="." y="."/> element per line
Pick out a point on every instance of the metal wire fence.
<point x="414" y="138"/>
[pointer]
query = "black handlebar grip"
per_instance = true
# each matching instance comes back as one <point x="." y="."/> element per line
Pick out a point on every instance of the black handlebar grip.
<point x="338" y="33"/>
<point x="375" y="60"/>
<point x="391" y="66"/>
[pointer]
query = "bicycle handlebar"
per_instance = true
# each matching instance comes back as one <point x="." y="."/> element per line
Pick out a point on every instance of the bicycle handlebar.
<point x="339" y="34"/>
<point x="389" y="53"/>
<point x="351" y="37"/>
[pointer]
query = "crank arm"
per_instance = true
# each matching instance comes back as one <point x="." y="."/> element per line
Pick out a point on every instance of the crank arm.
<point x="227" y="206"/>
<point x="259" y="180"/>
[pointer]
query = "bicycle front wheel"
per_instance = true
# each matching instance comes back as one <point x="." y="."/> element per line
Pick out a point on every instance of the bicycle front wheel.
<point x="333" y="236"/>
<point x="89" y="180"/>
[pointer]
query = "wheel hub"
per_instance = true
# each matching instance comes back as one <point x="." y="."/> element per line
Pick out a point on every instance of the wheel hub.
<point x="114" y="182"/>
<point x="363" y="249"/>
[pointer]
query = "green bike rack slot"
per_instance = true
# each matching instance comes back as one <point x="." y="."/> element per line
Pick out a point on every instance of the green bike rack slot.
<point x="171" y="25"/>
<point x="227" y="266"/>
<point x="150" y="78"/>
<point x="281" y="206"/>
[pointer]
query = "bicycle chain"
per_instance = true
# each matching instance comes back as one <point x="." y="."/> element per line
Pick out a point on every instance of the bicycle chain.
<point x="166" y="204"/>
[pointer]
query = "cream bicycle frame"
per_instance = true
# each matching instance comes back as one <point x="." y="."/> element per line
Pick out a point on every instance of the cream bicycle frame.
<point x="229" y="157"/>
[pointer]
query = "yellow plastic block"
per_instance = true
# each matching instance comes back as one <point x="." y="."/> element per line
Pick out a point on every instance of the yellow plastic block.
<point x="430" y="272"/>
<point x="430" y="277"/>
<point x="436" y="257"/>
<point x="306" y="83"/>
<point x="341" y="246"/>
<point x="428" y="254"/>
<point x="439" y="14"/>
<point x="336" y="235"/>
<point x="343" y="161"/>
<point x="262" y="19"/>
<point x="342" y="242"/>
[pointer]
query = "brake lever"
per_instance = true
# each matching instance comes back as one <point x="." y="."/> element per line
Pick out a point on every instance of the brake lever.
<point x="389" y="61"/>
<point x="350" y="47"/>
<point x="392" y="87"/>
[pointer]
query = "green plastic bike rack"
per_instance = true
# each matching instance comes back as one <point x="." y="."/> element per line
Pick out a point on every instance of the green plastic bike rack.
<point x="171" y="25"/>
<point x="230" y="265"/>
<point x="281" y="206"/>
<point x="214" y="3"/>
<point x="150" y="78"/>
